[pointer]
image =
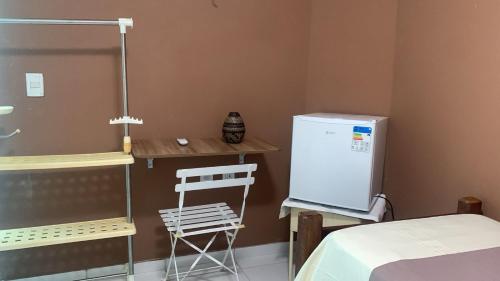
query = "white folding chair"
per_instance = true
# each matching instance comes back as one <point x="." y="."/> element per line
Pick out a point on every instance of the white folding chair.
<point x="183" y="222"/>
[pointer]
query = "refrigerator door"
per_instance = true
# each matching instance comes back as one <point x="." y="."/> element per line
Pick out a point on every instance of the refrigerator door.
<point x="332" y="163"/>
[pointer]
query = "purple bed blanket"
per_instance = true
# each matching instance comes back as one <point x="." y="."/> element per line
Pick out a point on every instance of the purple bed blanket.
<point x="481" y="265"/>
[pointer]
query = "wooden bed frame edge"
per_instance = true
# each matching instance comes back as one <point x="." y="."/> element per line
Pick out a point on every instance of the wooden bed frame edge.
<point x="311" y="232"/>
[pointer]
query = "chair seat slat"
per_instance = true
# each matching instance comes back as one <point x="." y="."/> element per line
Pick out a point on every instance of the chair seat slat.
<point x="211" y="230"/>
<point x="205" y="224"/>
<point x="175" y="216"/>
<point x="200" y="215"/>
<point x="198" y="220"/>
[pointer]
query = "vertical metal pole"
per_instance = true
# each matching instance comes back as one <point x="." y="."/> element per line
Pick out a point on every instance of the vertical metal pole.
<point x="126" y="133"/>
<point x="129" y="219"/>
<point x="124" y="80"/>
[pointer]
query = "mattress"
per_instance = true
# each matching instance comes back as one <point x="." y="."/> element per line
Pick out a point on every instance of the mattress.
<point x="455" y="248"/>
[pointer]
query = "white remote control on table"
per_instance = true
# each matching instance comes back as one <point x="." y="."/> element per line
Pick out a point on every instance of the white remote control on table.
<point x="182" y="141"/>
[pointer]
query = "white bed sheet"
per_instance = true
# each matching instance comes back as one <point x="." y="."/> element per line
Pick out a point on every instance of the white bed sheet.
<point x="353" y="253"/>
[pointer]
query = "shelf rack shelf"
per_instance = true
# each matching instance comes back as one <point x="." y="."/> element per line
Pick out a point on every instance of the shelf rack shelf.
<point x="30" y="237"/>
<point x="44" y="162"/>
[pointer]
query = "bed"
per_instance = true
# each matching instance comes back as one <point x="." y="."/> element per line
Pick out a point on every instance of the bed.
<point x="454" y="247"/>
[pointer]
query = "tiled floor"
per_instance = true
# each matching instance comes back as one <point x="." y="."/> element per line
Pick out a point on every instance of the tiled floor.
<point x="269" y="272"/>
<point x="267" y="262"/>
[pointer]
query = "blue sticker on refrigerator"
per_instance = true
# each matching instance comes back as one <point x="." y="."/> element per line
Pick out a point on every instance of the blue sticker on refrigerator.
<point x="361" y="139"/>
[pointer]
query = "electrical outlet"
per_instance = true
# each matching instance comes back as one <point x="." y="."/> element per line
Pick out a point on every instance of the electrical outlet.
<point x="228" y="176"/>
<point x="207" y="178"/>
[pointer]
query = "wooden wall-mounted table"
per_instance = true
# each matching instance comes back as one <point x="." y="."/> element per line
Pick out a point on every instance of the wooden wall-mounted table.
<point x="169" y="148"/>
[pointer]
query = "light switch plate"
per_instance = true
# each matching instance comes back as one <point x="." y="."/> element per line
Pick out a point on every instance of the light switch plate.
<point x="34" y="85"/>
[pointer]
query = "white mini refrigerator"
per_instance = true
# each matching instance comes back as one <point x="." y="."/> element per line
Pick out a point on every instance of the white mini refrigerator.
<point x="338" y="159"/>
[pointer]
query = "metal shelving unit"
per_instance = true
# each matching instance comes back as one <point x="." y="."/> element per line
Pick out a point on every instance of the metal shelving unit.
<point x="21" y="238"/>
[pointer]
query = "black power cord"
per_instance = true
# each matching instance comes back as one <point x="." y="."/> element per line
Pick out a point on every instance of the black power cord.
<point x="390" y="205"/>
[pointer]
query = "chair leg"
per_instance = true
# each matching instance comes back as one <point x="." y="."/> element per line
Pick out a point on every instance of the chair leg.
<point x="230" y="250"/>
<point x="206" y="255"/>
<point x="229" y="247"/>
<point x="173" y="243"/>
<point x="200" y="256"/>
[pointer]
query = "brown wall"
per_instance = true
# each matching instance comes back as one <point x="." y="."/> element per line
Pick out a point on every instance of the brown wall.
<point x="443" y="137"/>
<point x="351" y="51"/>
<point x="189" y="64"/>
<point x="432" y="66"/>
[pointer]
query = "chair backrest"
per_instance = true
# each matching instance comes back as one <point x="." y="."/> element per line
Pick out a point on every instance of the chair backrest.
<point x="212" y="171"/>
<point x="198" y="184"/>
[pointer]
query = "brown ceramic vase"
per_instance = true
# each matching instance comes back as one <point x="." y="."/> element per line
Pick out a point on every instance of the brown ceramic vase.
<point x="233" y="129"/>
